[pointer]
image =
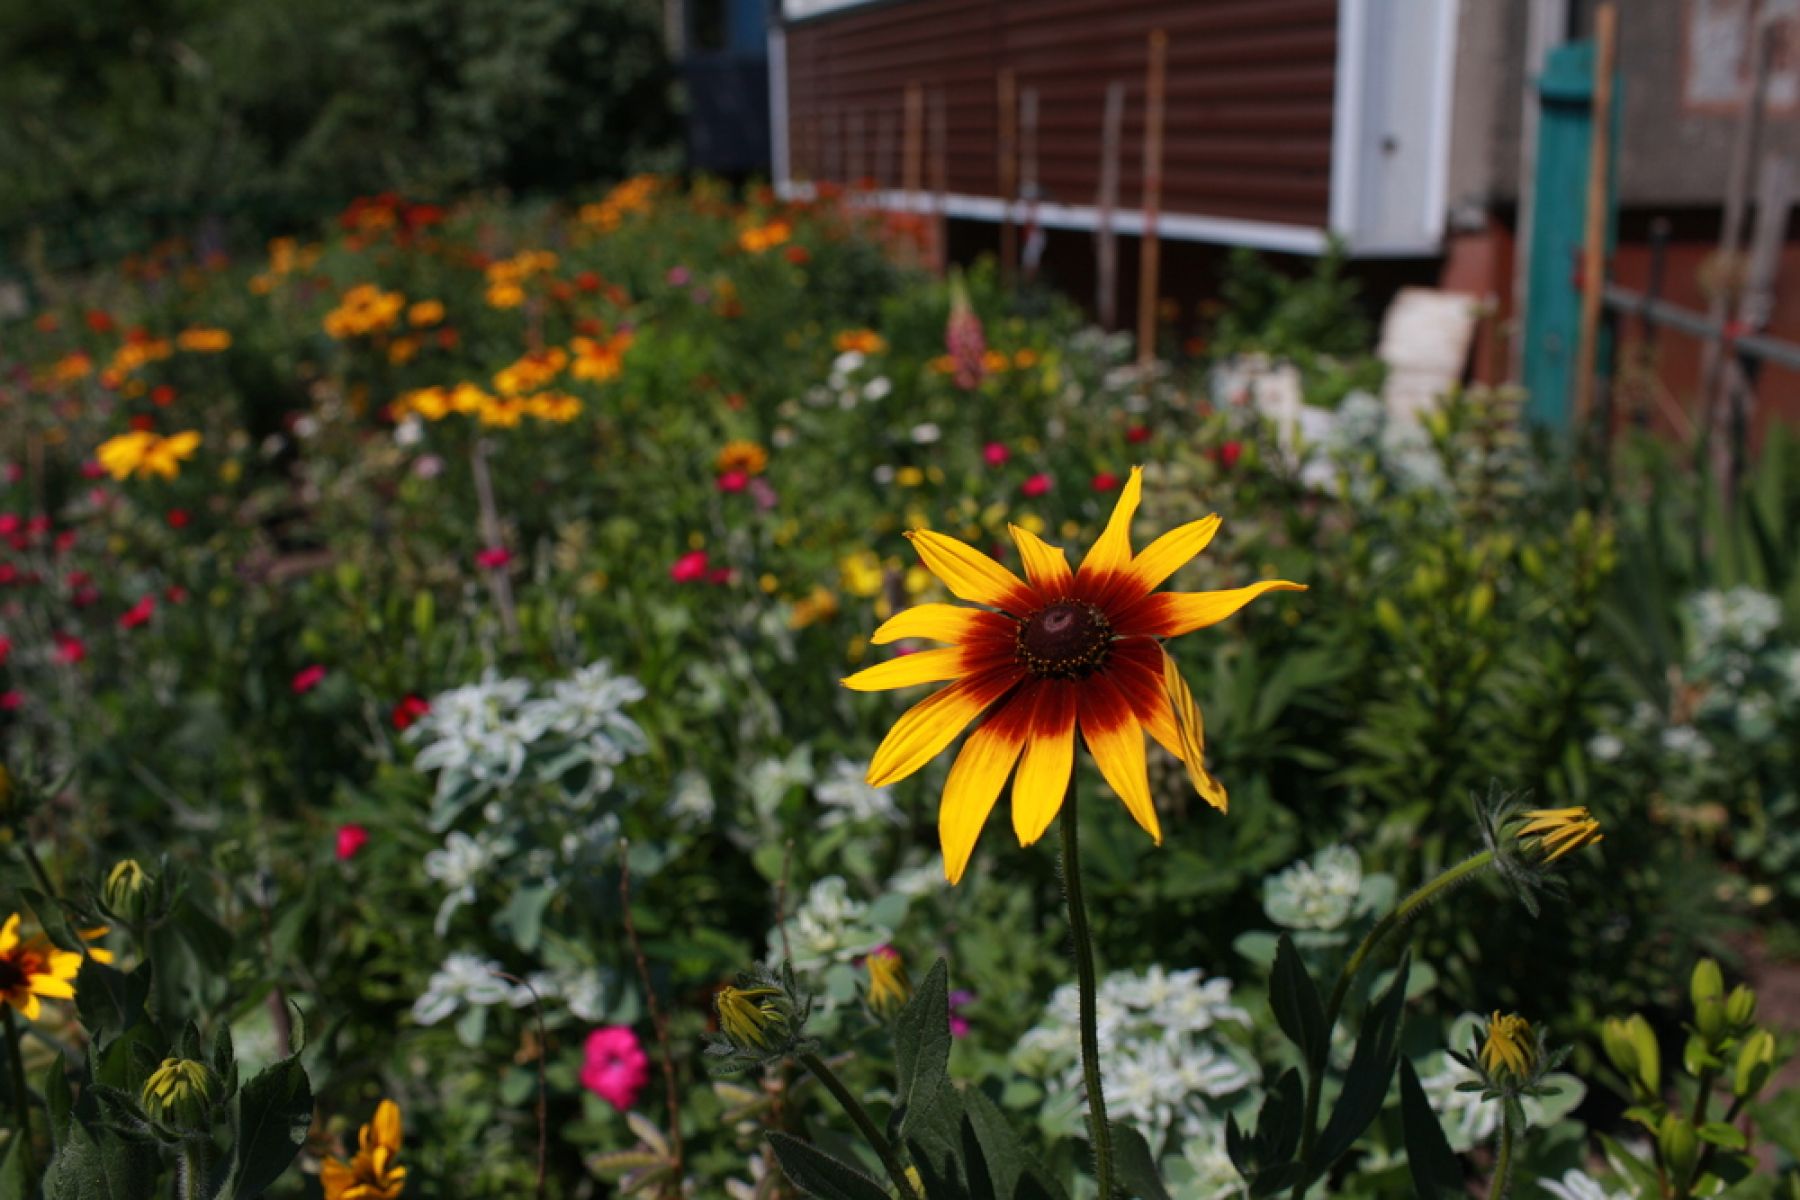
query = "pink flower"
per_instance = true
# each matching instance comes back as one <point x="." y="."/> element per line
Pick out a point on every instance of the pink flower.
<point x="1036" y="486"/>
<point x="407" y="711"/>
<point x="963" y="339"/>
<point x="1105" y="481"/>
<point x="733" y="481"/>
<point x="350" y="839"/>
<point x="92" y="470"/>
<point x="5" y="649"/>
<point x="11" y="701"/>
<point x="308" y="678"/>
<point x="69" y="650"/>
<point x="995" y="454"/>
<point x="9" y="524"/>
<point x="492" y="558"/>
<point x="138" y="614"/>
<point x="763" y="494"/>
<point x="719" y="576"/>
<point x="1137" y="433"/>
<point x="959" y="1024"/>
<point x="689" y="568"/>
<point x="614" y="1066"/>
<point x="679" y="276"/>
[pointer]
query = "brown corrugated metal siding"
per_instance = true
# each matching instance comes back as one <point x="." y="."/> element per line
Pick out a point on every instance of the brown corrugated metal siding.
<point x="1249" y="96"/>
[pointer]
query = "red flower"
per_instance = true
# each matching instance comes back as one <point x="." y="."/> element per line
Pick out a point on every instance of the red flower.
<point x="98" y="320"/>
<point x="92" y="470"/>
<point x="719" y="575"/>
<point x="407" y="711"/>
<point x="162" y="395"/>
<point x="308" y="678"/>
<point x="5" y="649"/>
<point x="9" y="524"/>
<point x="350" y="839"/>
<point x="689" y="568"/>
<point x="733" y="481"/>
<point x="1137" y="433"/>
<point x="138" y="614"/>
<point x="175" y="594"/>
<point x="588" y="281"/>
<point x="69" y="649"/>
<point x="493" y="558"/>
<point x="11" y="701"/>
<point x="1036" y="486"/>
<point x="65" y="541"/>
<point x="995" y="454"/>
<point x="797" y="254"/>
<point x="142" y="424"/>
<point x="1228" y="454"/>
<point x="177" y="518"/>
<point x="1105" y="481"/>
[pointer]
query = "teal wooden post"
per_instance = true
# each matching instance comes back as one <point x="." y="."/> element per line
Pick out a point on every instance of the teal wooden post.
<point x="1559" y="196"/>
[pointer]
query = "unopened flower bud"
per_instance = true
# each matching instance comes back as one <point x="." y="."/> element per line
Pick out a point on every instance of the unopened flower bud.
<point x="889" y="988"/>
<point x="1615" y="1039"/>
<point x="127" y="891"/>
<point x="1740" y="1006"/>
<point x="180" y="1092"/>
<point x="1680" y="1148"/>
<point x="1755" y="1063"/>
<point x="1648" y="1053"/>
<point x="1708" y="982"/>
<point x="1511" y="1047"/>
<point x="1709" y="1018"/>
<point x="750" y="1017"/>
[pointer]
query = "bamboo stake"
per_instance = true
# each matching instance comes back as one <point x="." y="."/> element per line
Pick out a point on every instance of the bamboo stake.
<point x="1008" y="151"/>
<point x="1149" y="252"/>
<point x="1106" y="238"/>
<point x="1593" y="258"/>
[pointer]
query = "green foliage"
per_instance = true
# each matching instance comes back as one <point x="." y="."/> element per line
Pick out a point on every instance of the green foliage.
<point x="1313" y="319"/>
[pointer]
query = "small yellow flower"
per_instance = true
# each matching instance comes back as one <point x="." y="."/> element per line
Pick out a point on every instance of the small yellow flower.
<point x="374" y="1173"/>
<point x="203" y="341"/>
<point x="821" y="604"/>
<point x="31" y="968"/>
<point x="889" y="988"/>
<point x="747" y="1015"/>
<point x="1511" y="1047"/>
<point x="860" y="341"/>
<point x="144" y="454"/>
<point x="424" y="313"/>
<point x="1560" y="830"/>
<point x="741" y="455"/>
<point x="909" y="477"/>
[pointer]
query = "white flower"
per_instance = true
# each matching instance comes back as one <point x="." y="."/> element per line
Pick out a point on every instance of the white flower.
<point x="464" y="979"/>
<point x="409" y="432"/>
<point x="830" y="927"/>
<point x="1320" y="894"/>
<point x="1686" y="741"/>
<point x="691" y="797"/>
<point x="1741" y="618"/>
<point x="847" y="363"/>
<point x="1605" y="747"/>
<point x="1214" y="1176"/>
<point x="878" y="388"/>
<point x="1579" y="1185"/>
<point x="926" y="432"/>
<point x="847" y="797"/>
<point x="459" y="866"/>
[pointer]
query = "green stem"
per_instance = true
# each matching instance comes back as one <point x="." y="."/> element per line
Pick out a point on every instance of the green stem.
<point x="21" y="1096"/>
<point x="190" y="1172"/>
<point x="1405" y="911"/>
<point x="1706" y="1155"/>
<point x="1098" y="1128"/>
<point x="859" y="1116"/>
<point x="36" y="864"/>
<point x="1503" y="1162"/>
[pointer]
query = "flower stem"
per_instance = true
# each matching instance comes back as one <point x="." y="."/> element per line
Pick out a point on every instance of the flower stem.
<point x="1405" y="911"/>
<point x="1098" y="1129"/>
<point x="1503" y="1161"/>
<point x="859" y="1116"/>
<point x="21" y="1097"/>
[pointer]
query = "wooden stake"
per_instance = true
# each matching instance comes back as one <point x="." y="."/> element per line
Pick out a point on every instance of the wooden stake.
<point x="940" y="182"/>
<point x="1028" y="180"/>
<point x="1106" y="239"/>
<point x="1008" y="151"/>
<point x="913" y="170"/>
<point x="1593" y="257"/>
<point x="884" y="148"/>
<point x="1149" y="259"/>
<point x="1774" y="203"/>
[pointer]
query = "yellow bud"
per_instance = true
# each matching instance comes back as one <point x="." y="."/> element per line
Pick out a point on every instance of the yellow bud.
<point x="127" y="890"/>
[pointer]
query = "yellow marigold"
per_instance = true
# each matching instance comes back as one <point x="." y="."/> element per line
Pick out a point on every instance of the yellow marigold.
<point x="860" y="341"/>
<point x="402" y="350"/>
<point x="431" y="403"/>
<point x="993" y="362"/>
<point x="531" y="372"/>
<point x="32" y="969"/>
<point x="374" y="1173"/>
<point x="557" y="407"/>
<point x="741" y="455"/>
<point x="203" y="341"/>
<point x="862" y="573"/>
<point x="598" y="361"/>
<point x="501" y="413"/>
<point x="1511" y="1046"/>
<point x="425" y="313"/>
<point x="1058" y="650"/>
<point x="505" y="295"/>
<point x="363" y="310"/>
<point x="821" y="604"/>
<point x="468" y="399"/>
<point x="759" y="238"/>
<point x="144" y="454"/>
<point x="71" y="367"/>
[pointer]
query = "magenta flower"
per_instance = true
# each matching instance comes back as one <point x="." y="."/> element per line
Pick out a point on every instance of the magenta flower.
<point x="308" y="678"/>
<point x="492" y="558"/>
<point x="1036" y="486"/>
<point x="138" y="614"/>
<point x="733" y="481"/>
<point x="995" y="454"/>
<point x="689" y="568"/>
<point x="959" y="1024"/>
<point x="69" y="650"/>
<point x="614" y="1066"/>
<point x="350" y="839"/>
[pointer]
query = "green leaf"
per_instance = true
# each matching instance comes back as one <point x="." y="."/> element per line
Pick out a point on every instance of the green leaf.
<point x="109" y="1000"/>
<point x="1721" y="1134"/>
<point x="1436" y="1173"/>
<point x="1136" y="1164"/>
<point x="922" y="1049"/>
<point x="58" y="1098"/>
<point x="1012" y="1171"/>
<point x="523" y="916"/>
<point x="818" y="1174"/>
<point x="91" y="1166"/>
<point x="1641" y="1175"/>
<point x="15" y="1181"/>
<point x="1296" y="1002"/>
<point x="269" y="1124"/>
<point x="1371" y="1070"/>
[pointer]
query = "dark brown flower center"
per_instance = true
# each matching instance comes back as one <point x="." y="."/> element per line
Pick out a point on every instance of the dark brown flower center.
<point x="1064" y="640"/>
<point x="13" y="975"/>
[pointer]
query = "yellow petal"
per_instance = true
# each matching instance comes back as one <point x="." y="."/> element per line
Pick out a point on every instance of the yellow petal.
<point x="51" y="986"/>
<point x="974" y="784"/>
<point x="1172" y="551"/>
<point x="1192" y="731"/>
<point x="933" y="723"/>
<point x="30" y="1007"/>
<point x="9" y="934"/>
<point x="966" y="571"/>
<point x="387" y="1125"/>
<point x="934" y="622"/>
<point x="1171" y="614"/>
<point x="1045" y="565"/>
<point x="181" y="444"/>
<point x="1043" y="779"/>
<point x="1111" y="551"/>
<point x="1116" y="741"/>
<point x="909" y="670"/>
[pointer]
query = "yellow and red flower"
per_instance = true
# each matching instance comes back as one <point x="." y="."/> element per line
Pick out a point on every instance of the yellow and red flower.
<point x="1058" y="650"/>
<point x="32" y="969"/>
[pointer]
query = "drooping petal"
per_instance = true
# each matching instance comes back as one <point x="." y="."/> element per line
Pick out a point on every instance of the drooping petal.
<point x="1171" y="552"/>
<point x="1116" y="741"/>
<point x="1171" y="614"/>
<point x="933" y="723"/>
<point x="966" y="571"/>
<point x="52" y="987"/>
<point x="1192" y="731"/>
<point x="387" y="1125"/>
<point x="1135" y="668"/>
<point x="941" y="623"/>
<point x="1045" y="565"/>
<point x="909" y="670"/>
<point x="1043" y="777"/>
<point x="977" y="776"/>
<point x="1111" y="551"/>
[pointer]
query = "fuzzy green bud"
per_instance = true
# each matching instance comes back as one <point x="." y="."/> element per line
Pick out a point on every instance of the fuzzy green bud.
<point x="1740" y="1006"/>
<point x="1755" y="1063"/>
<point x="1709" y="1018"/>
<point x="1615" y="1039"/>
<point x="1680" y="1148"/>
<point x="1639" y="1039"/>
<point x="1708" y="983"/>
<point x="180" y="1093"/>
<point x="127" y="891"/>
